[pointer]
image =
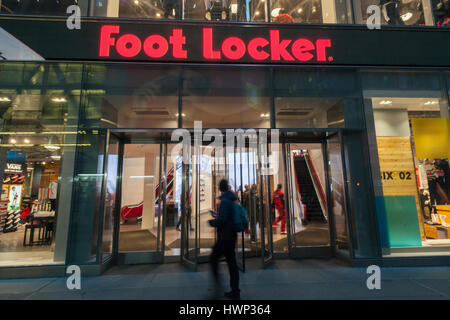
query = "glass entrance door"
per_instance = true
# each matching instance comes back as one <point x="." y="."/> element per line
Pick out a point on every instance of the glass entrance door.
<point x="241" y="165"/>
<point x="311" y="182"/>
<point x="146" y="198"/>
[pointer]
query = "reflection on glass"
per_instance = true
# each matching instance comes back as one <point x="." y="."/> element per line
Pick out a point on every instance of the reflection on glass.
<point x="226" y="98"/>
<point x="131" y="97"/>
<point x="315" y="99"/>
<point x="309" y="11"/>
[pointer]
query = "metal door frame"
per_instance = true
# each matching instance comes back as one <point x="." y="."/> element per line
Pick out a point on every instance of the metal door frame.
<point x="136" y="257"/>
<point x="313" y="251"/>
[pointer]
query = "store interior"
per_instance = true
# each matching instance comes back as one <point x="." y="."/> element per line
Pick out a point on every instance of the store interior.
<point x="28" y="202"/>
<point x="141" y="226"/>
<point x="412" y="138"/>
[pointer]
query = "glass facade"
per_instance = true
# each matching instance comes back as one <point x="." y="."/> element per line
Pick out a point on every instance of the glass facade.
<point x="39" y="133"/>
<point x="411" y="168"/>
<point x="404" y="12"/>
<point x="381" y="181"/>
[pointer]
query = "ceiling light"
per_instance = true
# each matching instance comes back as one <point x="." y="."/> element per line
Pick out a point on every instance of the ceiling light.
<point x="13" y="141"/>
<point x="56" y="157"/>
<point x="43" y="162"/>
<point x="4" y="99"/>
<point x="136" y="2"/>
<point x="58" y="99"/>
<point x="52" y="148"/>
<point x="257" y="13"/>
<point x="158" y="15"/>
<point x="26" y="141"/>
<point x="406" y="16"/>
<point x="385" y="102"/>
<point x="300" y="10"/>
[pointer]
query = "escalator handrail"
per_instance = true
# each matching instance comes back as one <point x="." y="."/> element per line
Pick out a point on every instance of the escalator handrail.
<point x="317" y="184"/>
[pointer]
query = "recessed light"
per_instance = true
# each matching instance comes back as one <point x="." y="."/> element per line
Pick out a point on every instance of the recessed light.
<point x="136" y="2"/>
<point x="26" y="141"/>
<point x="52" y="148"/>
<point x="13" y="141"/>
<point x="59" y="99"/>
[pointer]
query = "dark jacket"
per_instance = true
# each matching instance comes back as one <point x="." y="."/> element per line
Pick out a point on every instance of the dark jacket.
<point x="224" y="220"/>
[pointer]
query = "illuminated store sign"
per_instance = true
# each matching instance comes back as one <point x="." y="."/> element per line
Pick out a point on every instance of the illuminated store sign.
<point x="271" y="47"/>
<point x="13" y="167"/>
<point x="234" y="43"/>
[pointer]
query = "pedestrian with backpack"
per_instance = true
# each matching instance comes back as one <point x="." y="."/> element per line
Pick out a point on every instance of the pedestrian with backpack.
<point x="230" y="220"/>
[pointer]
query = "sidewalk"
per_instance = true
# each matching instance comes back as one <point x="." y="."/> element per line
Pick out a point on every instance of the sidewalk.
<point x="285" y="279"/>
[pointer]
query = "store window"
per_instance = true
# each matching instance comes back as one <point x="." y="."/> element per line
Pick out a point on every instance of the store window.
<point x="147" y="9"/>
<point x="39" y="106"/>
<point x="226" y="97"/>
<point x="442" y="12"/>
<point x="48" y="8"/>
<point x="225" y="10"/>
<point x="412" y="138"/>
<point x="316" y="99"/>
<point x="130" y="96"/>
<point x="310" y="11"/>
<point x="397" y="12"/>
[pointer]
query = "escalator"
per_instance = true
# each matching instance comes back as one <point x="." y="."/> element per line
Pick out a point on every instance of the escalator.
<point x="307" y="190"/>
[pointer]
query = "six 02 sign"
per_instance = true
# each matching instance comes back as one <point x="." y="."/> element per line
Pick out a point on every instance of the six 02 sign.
<point x="270" y="46"/>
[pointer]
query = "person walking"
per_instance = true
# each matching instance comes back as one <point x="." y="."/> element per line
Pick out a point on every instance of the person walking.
<point x="226" y="239"/>
<point x="278" y="202"/>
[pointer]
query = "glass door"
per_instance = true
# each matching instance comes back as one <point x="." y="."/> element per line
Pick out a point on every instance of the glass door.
<point x="265" y="207"/>
<point x="189" y="235"/>
<point x="110" y="188"/>
<point x="314" y="196"/>
<point x="337" y="195"/>
<point x="145" y="187"/>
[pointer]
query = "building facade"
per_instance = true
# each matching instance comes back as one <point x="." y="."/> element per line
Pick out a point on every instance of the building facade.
<point x="357" y="122"/>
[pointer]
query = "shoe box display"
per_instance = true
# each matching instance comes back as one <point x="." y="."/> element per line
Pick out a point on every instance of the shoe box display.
<point x="11" y="221"/>
<point x="3" y="214"/>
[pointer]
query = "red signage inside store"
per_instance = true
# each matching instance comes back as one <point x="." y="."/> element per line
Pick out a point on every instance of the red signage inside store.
<point x="270" y="48"/>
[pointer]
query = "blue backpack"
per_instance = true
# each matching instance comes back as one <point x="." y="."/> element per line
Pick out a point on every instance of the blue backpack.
<point x="240" y="218"/>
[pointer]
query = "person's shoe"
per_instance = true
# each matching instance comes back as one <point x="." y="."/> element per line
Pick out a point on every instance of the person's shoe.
<point x="233" y="295"/>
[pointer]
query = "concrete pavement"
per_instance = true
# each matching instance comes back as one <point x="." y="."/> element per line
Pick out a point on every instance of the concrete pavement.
<point x="284" y="279"/>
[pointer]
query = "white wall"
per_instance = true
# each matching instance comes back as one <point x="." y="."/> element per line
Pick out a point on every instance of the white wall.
<point x="391" y="123"/>
<point x="132" y="188"/>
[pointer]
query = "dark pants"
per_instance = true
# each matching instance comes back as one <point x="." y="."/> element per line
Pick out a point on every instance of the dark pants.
<point x="226" y="248"/>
